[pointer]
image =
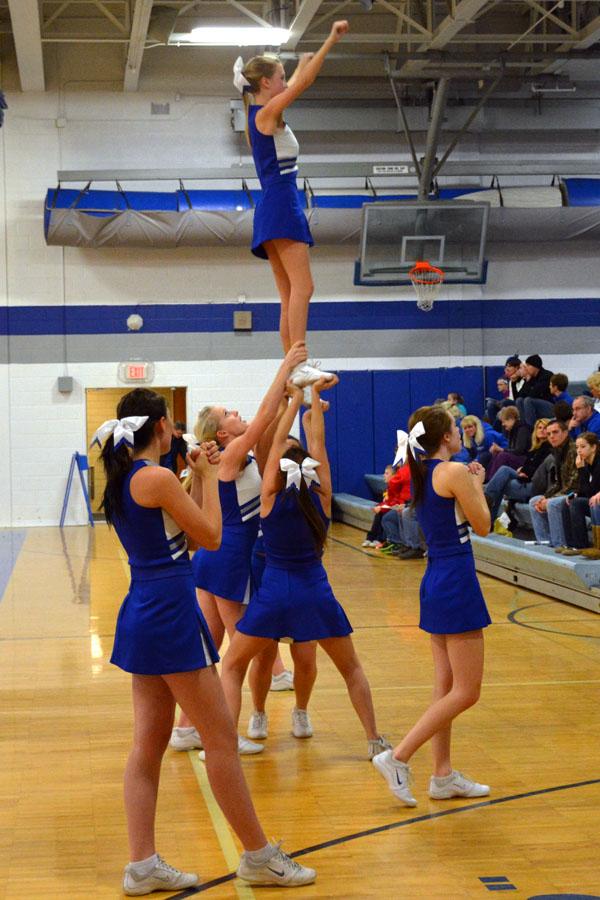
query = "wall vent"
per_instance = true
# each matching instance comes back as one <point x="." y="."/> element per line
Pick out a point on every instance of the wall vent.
<point x="160" y="109"/>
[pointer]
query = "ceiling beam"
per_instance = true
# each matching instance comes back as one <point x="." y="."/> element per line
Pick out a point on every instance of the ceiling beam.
<point x="301" y="21"/>
<point x="25" y="20"/>
<point x="137" y="43"/>
<point x="586" y="37"/>
<point x="462" y="15"/>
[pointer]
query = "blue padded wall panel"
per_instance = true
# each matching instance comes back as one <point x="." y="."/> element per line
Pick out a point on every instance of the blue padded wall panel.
<point x="492" y="374"/>
<point x="582" y="191"/>
<point x="425" y="387"/>
<point x="468" y="381"/>
<point x="354" y="431"/>
<point x="391" y="409"/>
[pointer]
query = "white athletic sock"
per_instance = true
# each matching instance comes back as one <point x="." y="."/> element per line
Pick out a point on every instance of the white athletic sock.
<point x="260" y="857"/>
<point x="443" y="780"/>
<point x="143" y="867"/>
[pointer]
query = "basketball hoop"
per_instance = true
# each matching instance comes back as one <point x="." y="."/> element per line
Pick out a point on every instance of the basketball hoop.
<point x="427" y="282"/>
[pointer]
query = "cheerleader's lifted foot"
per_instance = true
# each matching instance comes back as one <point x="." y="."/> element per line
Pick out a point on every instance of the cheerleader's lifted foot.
<point x="309" y="373"/>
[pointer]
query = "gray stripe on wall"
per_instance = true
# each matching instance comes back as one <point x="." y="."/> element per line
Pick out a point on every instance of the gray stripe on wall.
<point x="454" y="342"/>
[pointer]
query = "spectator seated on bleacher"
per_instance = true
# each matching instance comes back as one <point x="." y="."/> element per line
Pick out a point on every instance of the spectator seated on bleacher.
<point x="478" y="437"/>
<point x="535" y="399"/>
<point x="508" y="387"/>
<point x="395" y="497"/>
<point x="593" y="382"/>
<point x="375" y="535"/>
<point x="515" y="484"/>
<point x="549" y="507"/>
<point x="563" y="411"/>
<point x="585" y="503"/>
<point x="403" y="535"/>
<point x="558" y="388"/>
<point x="457" y="400"/>
<point x="518" y="436"/>
<point x="585" y="418"/>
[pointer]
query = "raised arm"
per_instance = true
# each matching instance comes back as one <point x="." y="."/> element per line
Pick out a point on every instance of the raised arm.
<point x="316" y="441"/>
<point x="261" y="451"/>
<point x="271" y="474"/>
<point x="239" y="447"/>
<point x="267" y="119"/>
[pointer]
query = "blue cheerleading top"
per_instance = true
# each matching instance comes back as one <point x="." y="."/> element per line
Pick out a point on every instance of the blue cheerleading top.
<point x="155" y="544"/>
<point x="288" y="540"/>
<point x="275" y="155"/>
<point x="240" y="498"/>
<point x="442" y="521"/>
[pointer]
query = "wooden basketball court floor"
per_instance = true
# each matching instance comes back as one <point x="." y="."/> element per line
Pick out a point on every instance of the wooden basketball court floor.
<point x="66" y="724"/>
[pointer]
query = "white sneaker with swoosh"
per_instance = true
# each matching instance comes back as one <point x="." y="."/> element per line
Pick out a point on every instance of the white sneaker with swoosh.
<point x="398" y="776"/>
<point x="162" y="877"/>
<point x="278" y="869"/>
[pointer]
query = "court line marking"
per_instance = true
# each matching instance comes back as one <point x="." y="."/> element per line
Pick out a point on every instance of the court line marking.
<point x="380" y="829"/>
<point x="221" y="829"/>
<point x="512" y="618"/>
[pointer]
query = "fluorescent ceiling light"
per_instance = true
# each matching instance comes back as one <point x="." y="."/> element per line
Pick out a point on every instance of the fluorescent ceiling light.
<point x="238" y="36"/>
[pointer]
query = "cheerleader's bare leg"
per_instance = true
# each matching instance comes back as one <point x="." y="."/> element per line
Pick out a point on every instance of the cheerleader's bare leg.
<point x="294" y="258"/>
<point x="341" y="652"/>
<point x="304" y="654"/>
<point x="465" y="656"/>
<point x="216" y="626"/>
<point x="442" y="685"/>
<point x="200" y="695"/>
<point x="242" y="650"/>
<point x="259" y="677"/>
<point x="283" y="289"/>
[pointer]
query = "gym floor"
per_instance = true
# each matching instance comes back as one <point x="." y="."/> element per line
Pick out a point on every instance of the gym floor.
<point x="66" y="726"/>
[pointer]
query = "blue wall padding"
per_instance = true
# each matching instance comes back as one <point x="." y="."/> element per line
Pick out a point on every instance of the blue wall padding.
<point x="582" y="191"/>
<point x="391" y="409"/>
<point x="492" y="374"/>
<point x="369" y="406"/>
<point x="105" y="203"/>
<point x="354" y="201"/>
<point x="354" y="431"/>
<point x="216" y="200"/>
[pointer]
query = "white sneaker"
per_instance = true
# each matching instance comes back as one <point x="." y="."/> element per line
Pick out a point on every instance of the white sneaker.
<point x="305" y="373"/>
<point x="162" y="877"/>
<point x="282" y="682"/>
<point x="185" y="739"/>
<point x="245" y="748"/>
<point x="258" y="725"/>
<point x="378" y="746"/>
<point x="456" y="785"/>
<point x="301" y="724"/>
<point x="398" y="776"/>
<point x="369" y="544"/>
<point x="279" y="869"/>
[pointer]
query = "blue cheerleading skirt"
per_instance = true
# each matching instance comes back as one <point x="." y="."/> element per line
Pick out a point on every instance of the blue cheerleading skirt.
<point x="279" y="214"/>
<point x="226" y="572"/>
<point x="450" y="596"/>
<point x="161" y="630"/>
<point x="295" y="605"/>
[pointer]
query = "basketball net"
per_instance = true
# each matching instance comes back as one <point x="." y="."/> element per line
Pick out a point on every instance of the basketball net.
<point x="427" y="282"/>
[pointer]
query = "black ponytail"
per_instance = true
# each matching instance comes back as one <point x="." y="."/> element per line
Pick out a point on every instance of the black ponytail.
<point x="305" y="504"/>
<point x="117" y="463"/>
<point x="437" y="422"/>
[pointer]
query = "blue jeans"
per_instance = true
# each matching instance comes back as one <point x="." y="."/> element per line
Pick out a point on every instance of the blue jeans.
<point x="554" y="524"/>
<point x="532" y="409"/>
<point x="391" y="526"/>
<point x="411" y="533"/>
<point x="578" y="509"/>
<point x="506" y="483"/>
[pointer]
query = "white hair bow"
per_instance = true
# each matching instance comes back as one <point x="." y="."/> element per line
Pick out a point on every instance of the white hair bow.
<point x="122" y="429"/>
<point x="240" y="82"/>
<point x="411" y="440"/>
<point x="191" y="441"/>
<point x="295" y="472"/>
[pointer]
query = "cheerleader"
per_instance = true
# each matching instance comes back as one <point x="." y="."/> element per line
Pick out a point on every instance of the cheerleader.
<point x="281" y="232"/>
<point x="295" y="601"/>
<point x="162" y="639"/>
<point x="448" y="497"/>
<point x="223" y="577"/>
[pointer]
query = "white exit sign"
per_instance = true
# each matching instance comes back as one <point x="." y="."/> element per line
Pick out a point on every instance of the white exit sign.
<point x="139" y="371"/>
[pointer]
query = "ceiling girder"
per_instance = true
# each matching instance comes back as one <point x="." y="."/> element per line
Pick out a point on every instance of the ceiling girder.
<point x="137" y="43"/>
<point x="27" y="35"/>
<point x="306" y="13"/>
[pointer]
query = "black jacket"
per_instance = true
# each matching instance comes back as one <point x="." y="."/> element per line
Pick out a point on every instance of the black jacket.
<point x="589" y="478"/>
<point x="558" y="473"/>
<point x="538" y="387"/>
<point x="519" y="438"/>
<point x="535" y="458"/>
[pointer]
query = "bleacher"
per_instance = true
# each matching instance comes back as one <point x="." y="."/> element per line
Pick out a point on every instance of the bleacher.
<point x="373" y="405"/>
